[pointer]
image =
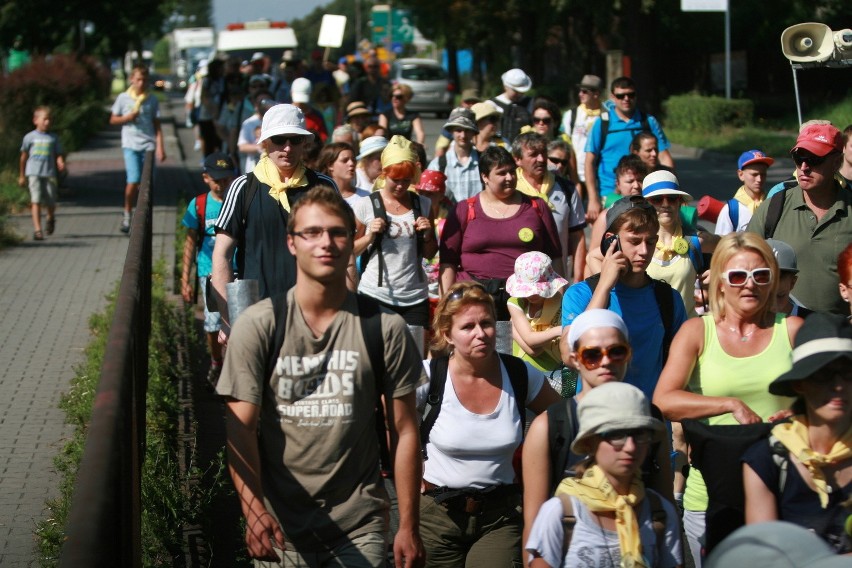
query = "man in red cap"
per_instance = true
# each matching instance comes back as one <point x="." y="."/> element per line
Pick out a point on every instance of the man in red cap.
<point x="814" y="217"/>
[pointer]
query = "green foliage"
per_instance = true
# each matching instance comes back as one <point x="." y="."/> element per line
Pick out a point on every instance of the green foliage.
<point x="707" y="114"/>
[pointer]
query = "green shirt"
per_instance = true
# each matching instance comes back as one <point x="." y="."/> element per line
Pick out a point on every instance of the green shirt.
<point x="817" y="245"/>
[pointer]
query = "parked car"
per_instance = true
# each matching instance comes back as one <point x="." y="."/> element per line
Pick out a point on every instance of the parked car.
<point x="433" y="91"/>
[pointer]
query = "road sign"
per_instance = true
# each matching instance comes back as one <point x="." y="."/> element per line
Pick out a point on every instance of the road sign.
<point x="399" y="22"/>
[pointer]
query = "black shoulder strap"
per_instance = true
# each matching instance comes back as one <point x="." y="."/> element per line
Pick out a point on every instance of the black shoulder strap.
<point x="573" y="120"/>
<point x="658" y="518"/>
<point x="437" y="382"/>
<point x="442" y="163"/>
<point x="378" y="213"/>
<point x="665" y="302"/>
<point x="517" y="370"/>
<point x="252" y="184"/>
<point x="604" y="132"/>
<point x="418" y="212"/>
<point x="560" y="434"/>
<point x="592" y="282"/>
<point x="773" y="214"/>
<point x="569" y="521"/>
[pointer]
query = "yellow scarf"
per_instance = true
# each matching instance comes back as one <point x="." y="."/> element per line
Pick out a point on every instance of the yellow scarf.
<point x="743" y="197"/>
<point x="794" y="436"/>
<point x="266" y="172"/>
<point x="596" y="492"/>
<point x="526" y="187"/>
<point x="138" y="99"/>
<point x="667" y="252"/>
<point x="590" y="114"/>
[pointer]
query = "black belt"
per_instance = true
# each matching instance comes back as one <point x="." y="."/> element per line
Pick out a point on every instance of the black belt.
<point x="469" y="501"/>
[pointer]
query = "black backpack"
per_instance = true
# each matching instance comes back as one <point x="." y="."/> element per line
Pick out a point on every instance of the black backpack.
<point x="515" y="116"/>
<point x="379" y="212"/>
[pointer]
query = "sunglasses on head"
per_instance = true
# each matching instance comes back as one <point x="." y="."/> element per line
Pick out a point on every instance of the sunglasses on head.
<point x="592" y="357"/>
<point x="813" y="161"/>
<point x="283" y="140"/>
<point x="542" y="119"/>
<point x="557" y="161"/>
<point x="618" y="438"/>
<point x="621" y="96"/>
<point x="461" y="292"/>
<point x="738" y="276"/>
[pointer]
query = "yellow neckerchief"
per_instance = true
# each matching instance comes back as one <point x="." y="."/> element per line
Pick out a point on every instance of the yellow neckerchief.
<point x="137" y="99"/>
<point x="590" y="114"/>
<point x="668" y="251"/>
<point x="266" y="172"/>
<point x="526" y="187"/>
<point x="794" y="436"/>
<point x="596" y="492"/>
<point x="743" y="197"/>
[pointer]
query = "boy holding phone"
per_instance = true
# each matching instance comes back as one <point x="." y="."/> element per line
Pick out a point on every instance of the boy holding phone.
<point x="624" y="287"/>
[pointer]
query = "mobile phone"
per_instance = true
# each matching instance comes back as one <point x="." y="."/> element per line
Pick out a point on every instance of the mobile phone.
<point x="607" y="242"/>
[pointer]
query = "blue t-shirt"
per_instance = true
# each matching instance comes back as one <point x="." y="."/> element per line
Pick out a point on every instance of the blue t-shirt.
<point x="638" y="308"/>
<point x="618" y="139"/>
<point x="190" y="220"/>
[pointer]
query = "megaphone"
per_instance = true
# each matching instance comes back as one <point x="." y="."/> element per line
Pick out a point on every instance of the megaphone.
<point x="808" y="43"/>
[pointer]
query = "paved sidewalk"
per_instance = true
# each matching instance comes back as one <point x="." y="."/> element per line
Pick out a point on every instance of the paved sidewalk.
<point x="48" y="290"/>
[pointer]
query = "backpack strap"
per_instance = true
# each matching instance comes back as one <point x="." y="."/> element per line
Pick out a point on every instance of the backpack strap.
<point x="378" y="213"/>
<point x="442" y="163"/>
<point x="418" y="212"/>
<point x="773" y="214"/>
<point x="604" y="118"/>
<point x="658" y="519"/>
<point x="592" y="282"/>
<point x="471" y="213"/>
<point x="663" y="295"/>
<point x="781" y="458"/>
<point x="734" y="213"/>
<point x="569" y="521"/>
<point x="252" y="184"/>
<point x="572" y="120"/>
<point x="437" y="382"/>
<point x="695" y="256"/>
<point x="517" y="371"/>
<point x="201" y="214"/>
<point x="560" y="434"/>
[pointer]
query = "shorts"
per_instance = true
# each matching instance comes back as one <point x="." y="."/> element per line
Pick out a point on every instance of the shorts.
<point x="43" y="190"/>
<point x="212" y="320"/>
<point x="365" y="551"/>
<point x="133" y="162"/>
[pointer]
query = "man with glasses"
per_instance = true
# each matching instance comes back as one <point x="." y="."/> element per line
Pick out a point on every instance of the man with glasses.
<point x="814" y="217"/>
<point x="254" y="216"/>
<point x="609" y="140"/>
<point x="577" y="122"/>
<point x="304" y="372"/>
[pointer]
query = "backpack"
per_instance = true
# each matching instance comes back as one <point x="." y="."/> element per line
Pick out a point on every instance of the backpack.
<point x="201" y="214"/>
<point x="734" y="213"/>
<point x="773" y="214"/>
<point x="663" y="295"/>
<point x="515" y="117"/>
<point x="643" y="125"/>
<point x="515" y="367"/>
<point x="658" y="519"/>
<point x="379" y="212"/>
<point x="370" y="317"/>
<point x="716" y="451"/>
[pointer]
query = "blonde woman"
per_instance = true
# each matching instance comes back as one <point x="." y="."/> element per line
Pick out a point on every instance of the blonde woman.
<point x="400" y="121"/>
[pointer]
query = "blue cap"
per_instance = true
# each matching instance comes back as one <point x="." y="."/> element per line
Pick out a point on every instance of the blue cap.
<point x="753" y="157"/>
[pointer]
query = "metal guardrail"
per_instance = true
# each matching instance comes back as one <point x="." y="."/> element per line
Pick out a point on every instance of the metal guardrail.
<point x="104" y="525"/>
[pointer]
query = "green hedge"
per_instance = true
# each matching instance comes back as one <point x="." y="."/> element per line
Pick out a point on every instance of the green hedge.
<point x="707" y="114"/>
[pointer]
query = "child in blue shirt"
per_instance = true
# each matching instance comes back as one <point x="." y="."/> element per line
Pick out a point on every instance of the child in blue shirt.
<point x="40" y="164"/>
<point x="218" y="173"/>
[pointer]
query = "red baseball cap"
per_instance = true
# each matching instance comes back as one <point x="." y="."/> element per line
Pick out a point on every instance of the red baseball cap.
<point x="819" y="139"/>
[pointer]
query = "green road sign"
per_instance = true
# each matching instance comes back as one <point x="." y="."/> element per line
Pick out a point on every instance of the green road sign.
<point x="401" y="25"/>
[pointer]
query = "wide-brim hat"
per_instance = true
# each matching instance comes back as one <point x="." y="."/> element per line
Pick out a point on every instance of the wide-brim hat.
<point x="613" y="406"/>
<point x="485" y="109"/>
<point x="517" y="80"/>
<point x="356" y="108"/>
<point x="662" y="182"/>
<point x="461" y="117"/>
<point x="283" y="119"/>
<point x="753" y="157"/>
<point x="821" y="339"/>
<point x="534" y="275"/>
<point x="371" y="145"/>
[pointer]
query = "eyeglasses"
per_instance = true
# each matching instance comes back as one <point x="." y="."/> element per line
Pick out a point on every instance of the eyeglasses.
<point x="313" y="234"/>
<point x="542" y="120"/>
<point x="618" y="438"/>
<point x="659" y="199"/>
<point x="559" y="161"/>
<point x="621" y="96"/>
<point x="283" y="140"/>
<point x="738" y="276"/>
<point x="592" y="357"/>
<point x="813" y="161"/>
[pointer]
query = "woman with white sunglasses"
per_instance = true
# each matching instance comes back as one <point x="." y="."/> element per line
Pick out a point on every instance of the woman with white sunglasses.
<point x="721" y="364"/>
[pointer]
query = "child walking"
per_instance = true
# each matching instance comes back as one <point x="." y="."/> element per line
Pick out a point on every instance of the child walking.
<point x="200" y="216"/>
<point x="40" y="164"/>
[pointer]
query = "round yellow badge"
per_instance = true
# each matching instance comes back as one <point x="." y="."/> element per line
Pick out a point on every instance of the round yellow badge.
<point x="680" y="246"/>
<point x="526" y="234"/>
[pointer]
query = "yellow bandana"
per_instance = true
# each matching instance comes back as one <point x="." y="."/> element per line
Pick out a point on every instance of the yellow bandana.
<point x="596" y="492"/>
<point x="397" y="151"/>
<point x="266" y="172"/>
<point x="794" y="436"/>
<point x="679" y="245"/>
<point x="526" y="187"/>
<point x="743" y="197"/>
<point x="137" y="99"/>
<point x="591" y="115"/>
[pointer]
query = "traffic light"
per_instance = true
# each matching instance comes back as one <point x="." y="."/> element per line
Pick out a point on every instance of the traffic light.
<point x="813" y="43"/>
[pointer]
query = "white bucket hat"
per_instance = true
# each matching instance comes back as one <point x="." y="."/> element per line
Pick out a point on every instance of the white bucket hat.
<point x="517" y="80"/>
<point x="283" y="119"/>
<point x="371" y="145"/>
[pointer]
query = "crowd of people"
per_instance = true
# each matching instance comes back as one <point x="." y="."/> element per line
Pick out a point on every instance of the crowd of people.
<point x="552" y="454"/>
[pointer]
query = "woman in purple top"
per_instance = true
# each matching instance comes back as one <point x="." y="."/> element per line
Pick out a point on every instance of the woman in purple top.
<point x="484" y="235"/>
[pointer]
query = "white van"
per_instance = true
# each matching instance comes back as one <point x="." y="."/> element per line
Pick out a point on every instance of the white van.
<point x="242" y="40"/>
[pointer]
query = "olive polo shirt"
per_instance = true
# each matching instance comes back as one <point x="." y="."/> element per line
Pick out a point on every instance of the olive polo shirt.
<point x="817" y="245"/>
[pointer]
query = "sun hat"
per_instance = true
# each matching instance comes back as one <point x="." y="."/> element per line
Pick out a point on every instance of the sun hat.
<point x="777" y="544"/>
<point x="517" y="80"/>
<point x="594" y="319"/>
<point x="784" y="254"/>
<point x="819" y="139"/>
<point x="218" y="165"/>
<point x="300" y="90"/>
<point x="257" y="56"/>
<point x="621" y="207"/>
<point x="485" y="109"/>
<point x="432" y="181"/>
<point x="461" y="117"/>
<point x="592" y="82"/>
<point x="469" y="95"/>
<point x="356" y="108"/>
<point x="662" y="182"/>
<point x="371" y="145"/>
<point x="753" y="157"/>
<point x="821" y="339"/>
<point x="534" y="275"/>
<point x="283" y="119"/>
<point x="613" y="406"/>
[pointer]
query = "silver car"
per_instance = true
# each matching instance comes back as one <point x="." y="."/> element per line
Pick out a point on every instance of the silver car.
<point x="433" y="90"/>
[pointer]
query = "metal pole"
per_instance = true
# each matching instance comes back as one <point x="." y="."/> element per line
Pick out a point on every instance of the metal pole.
<point x="357" y="25"/>
<point x="728" y="50"/>
<point x="796" y="90"/>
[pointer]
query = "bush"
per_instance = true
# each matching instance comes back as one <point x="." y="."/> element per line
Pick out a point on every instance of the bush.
<point x="707" y="114"/>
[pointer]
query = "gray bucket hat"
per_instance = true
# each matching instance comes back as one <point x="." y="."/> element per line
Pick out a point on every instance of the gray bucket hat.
<point x="462" y="118"/>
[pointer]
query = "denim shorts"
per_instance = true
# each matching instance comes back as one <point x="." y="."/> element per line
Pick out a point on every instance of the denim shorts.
<point x="133" y="161"/>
